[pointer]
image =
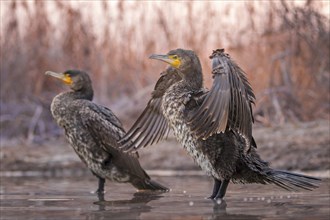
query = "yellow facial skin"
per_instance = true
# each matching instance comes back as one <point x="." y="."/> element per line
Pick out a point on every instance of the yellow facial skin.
<point x="67" y="79"/>
<point x="173" y="60"/>
<point x="176" y="62"/>
<point x="64" y="77"/>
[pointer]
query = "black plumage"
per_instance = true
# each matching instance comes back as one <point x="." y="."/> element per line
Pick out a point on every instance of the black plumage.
<point x="93" y="131"/>
<point x="214" y="126"/>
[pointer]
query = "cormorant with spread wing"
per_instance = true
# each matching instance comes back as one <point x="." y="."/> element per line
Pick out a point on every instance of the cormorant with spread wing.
<point x="214" y="126"/>
<point x="93" y="131"/>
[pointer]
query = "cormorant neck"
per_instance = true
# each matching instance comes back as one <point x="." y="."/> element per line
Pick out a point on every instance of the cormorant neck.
<point x="193" y="78"/>
<point x="84" y="93"/>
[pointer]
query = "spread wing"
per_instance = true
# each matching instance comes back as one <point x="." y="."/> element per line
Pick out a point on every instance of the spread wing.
<point x="151" y="126"/>
<point x="228" y="103"/>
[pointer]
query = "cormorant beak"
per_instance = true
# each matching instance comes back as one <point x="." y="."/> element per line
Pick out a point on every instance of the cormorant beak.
<point x="62" y="76"/>
<point x="167" y="59"/>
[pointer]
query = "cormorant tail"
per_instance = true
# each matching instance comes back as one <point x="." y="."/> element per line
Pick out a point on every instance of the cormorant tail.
<point x="148" y="184"/>
<point x="293" y="181"/>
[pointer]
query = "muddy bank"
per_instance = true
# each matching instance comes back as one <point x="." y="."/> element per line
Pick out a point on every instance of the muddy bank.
<point x="303" y="146"/>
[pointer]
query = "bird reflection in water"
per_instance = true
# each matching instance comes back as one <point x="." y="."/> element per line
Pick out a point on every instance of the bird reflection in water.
<point x="125" y="209"/>
<point x="220" y="212"/>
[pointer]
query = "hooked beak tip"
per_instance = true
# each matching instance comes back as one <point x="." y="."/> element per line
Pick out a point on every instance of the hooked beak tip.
<point x="160" y="57"/>
<point x="53" y="74"/>
<point x="153" y="56"/>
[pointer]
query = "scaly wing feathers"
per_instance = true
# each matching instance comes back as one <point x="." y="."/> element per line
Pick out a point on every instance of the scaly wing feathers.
<point x="228" y="104"/>
<point x="151" y="126"/>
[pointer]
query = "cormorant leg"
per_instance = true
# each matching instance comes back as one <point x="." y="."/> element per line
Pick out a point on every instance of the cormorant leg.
<point x="222" y="191"/>
<point x="216" y="186"/>
<point x="100" y="189"/>
<point x="100" y="196"/>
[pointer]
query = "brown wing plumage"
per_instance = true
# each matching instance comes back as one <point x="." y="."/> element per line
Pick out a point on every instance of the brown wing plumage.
<point x="151" y="126"/>
<point x="104" y="126"/>
<point x="228" y="103"/>
<point x="106" y="130"/>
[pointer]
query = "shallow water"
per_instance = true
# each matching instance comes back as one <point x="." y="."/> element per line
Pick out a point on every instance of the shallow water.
<point x="71" y="198"/>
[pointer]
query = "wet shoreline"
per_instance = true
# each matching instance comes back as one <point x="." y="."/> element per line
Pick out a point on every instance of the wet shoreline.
<point x="71" y="198"/>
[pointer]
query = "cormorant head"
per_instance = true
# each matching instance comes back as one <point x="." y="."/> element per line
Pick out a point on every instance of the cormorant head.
<point x="183" y="60"/>
<point x="76" y="79"/>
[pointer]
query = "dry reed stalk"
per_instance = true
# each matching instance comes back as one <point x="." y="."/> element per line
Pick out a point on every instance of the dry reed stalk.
<point x="285" y="54"/>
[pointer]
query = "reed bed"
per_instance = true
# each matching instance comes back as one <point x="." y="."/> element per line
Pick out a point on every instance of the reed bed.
<point x="283" y="46"/>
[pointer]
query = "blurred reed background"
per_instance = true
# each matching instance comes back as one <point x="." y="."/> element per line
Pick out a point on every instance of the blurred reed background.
<point x="282" y="45"/>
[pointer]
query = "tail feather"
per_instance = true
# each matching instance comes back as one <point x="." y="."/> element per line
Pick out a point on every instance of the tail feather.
<point x="148" y="184"/>
<point x="293" y="181"/>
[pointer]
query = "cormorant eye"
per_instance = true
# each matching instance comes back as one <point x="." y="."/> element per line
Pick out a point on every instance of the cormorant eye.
<point x="175" y="57"/>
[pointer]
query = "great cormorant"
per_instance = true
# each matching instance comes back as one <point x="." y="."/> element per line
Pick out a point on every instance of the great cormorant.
<point x="214" y="126"/>
<point x="93" y="131"/>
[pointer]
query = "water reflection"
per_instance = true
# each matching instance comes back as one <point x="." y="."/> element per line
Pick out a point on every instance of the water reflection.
<point x="124" y="209"/>
<point x="220" y="212"/>
<point x="138" y="205"/>
<point x="70" y="198"/>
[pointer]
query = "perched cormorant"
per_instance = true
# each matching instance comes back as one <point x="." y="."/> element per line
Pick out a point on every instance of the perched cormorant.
<point x="214" y="126"/>
<point x="93" y="131"/>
